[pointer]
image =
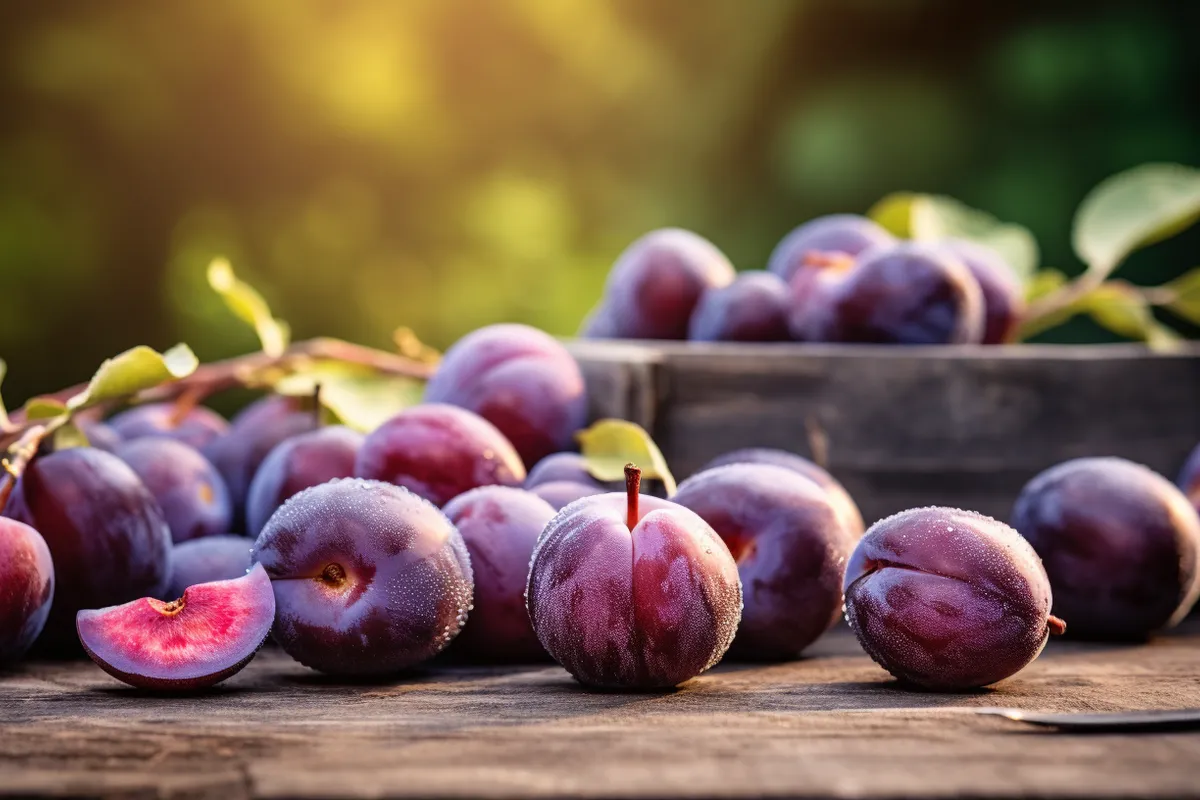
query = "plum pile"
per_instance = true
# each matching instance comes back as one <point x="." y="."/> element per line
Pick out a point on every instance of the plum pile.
<point x="467" y="527"/>
<point x="840" y="278"/>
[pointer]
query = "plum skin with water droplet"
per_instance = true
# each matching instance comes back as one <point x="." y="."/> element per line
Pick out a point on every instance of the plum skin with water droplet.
<point x="643" y="609"/>
<point x="790" y="546"/>
<point x="439" y="451"/>
<point x="26" y="587"/>
<point x="304" y="460"/>
<point x="947" y="599"/>
<point x="500" y="526"/>
<point x="369" y="578"/>
<point x="1120" y="543"/>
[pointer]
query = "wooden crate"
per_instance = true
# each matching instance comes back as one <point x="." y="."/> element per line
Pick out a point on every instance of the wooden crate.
<point x="964" y="426"/>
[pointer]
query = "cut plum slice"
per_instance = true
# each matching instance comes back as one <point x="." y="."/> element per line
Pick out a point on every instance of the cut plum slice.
<point x="194" y="642"/>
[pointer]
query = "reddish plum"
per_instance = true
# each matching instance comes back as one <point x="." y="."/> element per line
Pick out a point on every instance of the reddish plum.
<point x="754" y="308"/>
<point x="1003" y="298"/>
<point x="305" y="460"/>
<point x="500" y="526"/>
<point x="106" y="533"/>
<point x="835" y="233"/>
<point x="1119" y="542"/>
<point x="187" y="486"/>
<point x="790" y="546"/>
<point x="253" y="434"/>
<point x="201" y="639"/>
<point x="948" y="599"/>
<point x="571" y="467"/>
<point x="213" y="558"/>
<point x="194" y="425"/>
<point x="439" y="452"/>
<point x="630" y="591"/>
<point x="846" y="508"/>
<point x="561" y="494"/>
<point x="369" y="578"/>
<point x="521" y="380"/>
<point x="26" y="587"/>
<point x="655" y="285"/>
<point x="907" y="294"/>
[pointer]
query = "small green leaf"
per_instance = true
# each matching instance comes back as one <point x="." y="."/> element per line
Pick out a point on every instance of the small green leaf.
<point x="360" y="397"/>
<point x="1133" y="209"/>
<point x="926" y="217"/>
<point x="133" y="371"/>
<point x="610" y="444"/>
<point x="243" y="300"/>
<point x="69" y="435"/>
<point x="1121" y="308"/>
<point x="44" y="408"/>
<point x="1183" y="296"/>
<point x="1044" y="282"/>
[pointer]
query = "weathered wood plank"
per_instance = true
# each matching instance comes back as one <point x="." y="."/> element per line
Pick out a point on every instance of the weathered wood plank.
<point x="911" y="426"/>
<point x="832" y="725"/>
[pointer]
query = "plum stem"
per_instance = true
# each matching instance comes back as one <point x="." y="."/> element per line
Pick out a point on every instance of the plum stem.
<point x="19" y="456"/>
<point x="1057" y="626"/>
<point x="633" y="486"/>
<point x="318" y="417"/>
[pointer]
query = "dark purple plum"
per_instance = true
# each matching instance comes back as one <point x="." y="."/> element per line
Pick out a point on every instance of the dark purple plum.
<point x="655" y="285"/>
<point x="188" y="488"/>
<point x="836" y="233"/>
<point x="907" y="294"/>
<point x="197" y="426"/>
<point x="100" y="435"/>
<point x="561" y="494"/>
<point x="754" y="308"/>
<point x="843" y="503"/>
<point x="439" y="452"/>
<point x="213" y="558"/>
<point x="630" y="591"/>
<point x="107" y="535"/>
<point x="1189" y="478"/>
<point x="1120" y="544"/>
<point x="26" y="588"/>
<point x="521" y="380"/>
<point x="500" y="526"/>
<point x="252" y="435"/>
<point x="1003" y="298"/>
<point x="790" y="546"/>
<point x="305" y="460"/>
<point x="369" y="578"/>
<point x="948" y="599"/>
<point x="557" y="467"/>
<point x="204" y="637"/>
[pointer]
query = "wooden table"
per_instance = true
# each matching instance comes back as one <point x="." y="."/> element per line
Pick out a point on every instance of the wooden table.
<point x="830" y="725"/>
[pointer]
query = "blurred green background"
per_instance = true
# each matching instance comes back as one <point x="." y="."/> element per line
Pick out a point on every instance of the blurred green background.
<point x="444" y="164"/>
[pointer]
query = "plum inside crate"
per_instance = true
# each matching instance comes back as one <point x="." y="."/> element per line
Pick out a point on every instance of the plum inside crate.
<point x="962" y="426"/>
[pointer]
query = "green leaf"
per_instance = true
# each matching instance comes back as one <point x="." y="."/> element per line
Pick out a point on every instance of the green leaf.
<point x="69" y="435"/>
<point x="610" y="444"/>
<point x="925" y="217"/>
<point x="44" y="408"/>
<point x="1133" y="209"/>
<point x="1183" y="296"/>
<point x="360" y="397"/>
<point x="1044" y="282"/>
<point x="243" y="300"/>
<point x="133" y="371"/>
<point x="1124" y="310"/>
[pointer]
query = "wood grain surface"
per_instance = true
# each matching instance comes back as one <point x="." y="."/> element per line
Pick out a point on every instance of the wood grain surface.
<point x="961" y="426"/>
<point x="831" y="725"/>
